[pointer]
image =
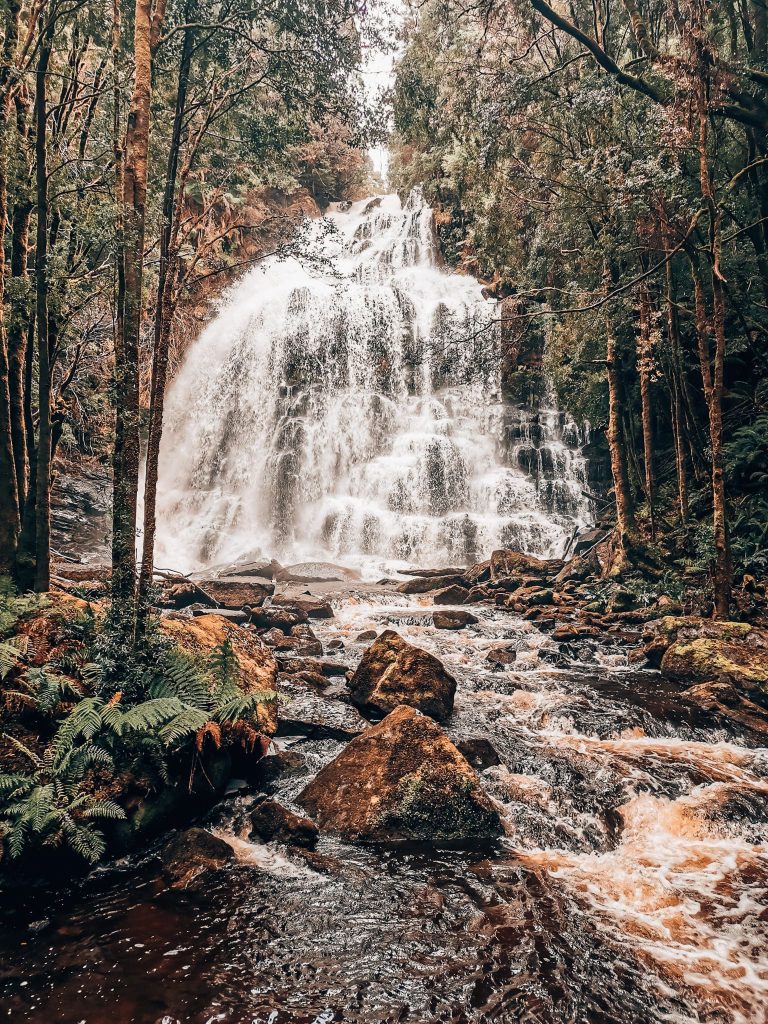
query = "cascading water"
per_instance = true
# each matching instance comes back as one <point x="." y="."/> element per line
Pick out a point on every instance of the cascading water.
<point x="353" y="411"/>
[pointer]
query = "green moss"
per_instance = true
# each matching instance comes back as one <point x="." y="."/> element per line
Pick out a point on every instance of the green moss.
<point x="434" y="804"/>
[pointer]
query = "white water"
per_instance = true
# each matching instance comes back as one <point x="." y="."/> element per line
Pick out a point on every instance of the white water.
<point x="352" y="412"/>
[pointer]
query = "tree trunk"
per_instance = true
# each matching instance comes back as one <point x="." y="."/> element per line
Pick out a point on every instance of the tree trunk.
<point x="127" y="420"/>
<point x="624" y="510"/>
<point x="43" y="498"/>
<point x="675" y="383"/>
<point x="17" y="319"/>
<point x="713" y="384"/>
<point x="163" y="321"/>
<point x="10" y="519"/>
<point x="644" y="367"/>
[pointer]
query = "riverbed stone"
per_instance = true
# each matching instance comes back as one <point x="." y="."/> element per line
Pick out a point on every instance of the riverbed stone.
<point x="426" y="584"/>
<point x="283" y="617"/>
<point x="720" y="652"/>
<point x="190" y="853"/>
<point x="393" y="672"/>
<point x="505" y="563"/>
<point x="274" y="823"/>
<point x="257" y="668"/>
<point x="450" y="595"/>
<point x="313" y="607"/>
<point x="236" y="591"/>
<point x="403" y="779"/>
<point x="453" y="618"/>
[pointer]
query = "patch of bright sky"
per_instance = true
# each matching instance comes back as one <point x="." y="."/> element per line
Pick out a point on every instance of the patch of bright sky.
<point x="379" y="66"/>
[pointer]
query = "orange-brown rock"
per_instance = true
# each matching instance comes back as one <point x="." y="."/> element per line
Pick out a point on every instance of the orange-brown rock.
<point x="258" y="668"/>
<point x="393" y="672"/>
<point x="401" y="780"/>
<point x="514" y="563"/>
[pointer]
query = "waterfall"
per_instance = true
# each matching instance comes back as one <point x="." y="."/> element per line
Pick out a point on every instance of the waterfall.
<point x="348" y="407"/>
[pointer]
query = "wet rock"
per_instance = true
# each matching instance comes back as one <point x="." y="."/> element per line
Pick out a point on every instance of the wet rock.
<point x="235" y="592"/>
<point x="283" y="617"/>
<point x="238" y="617"/>
<point x="263" y="568"/>
<point x="505" y="563"/>
<point x="479" y="593"/>
<point x="501" y="657"/>
<point x="576" y="570"/>
<point x="721" y="652"/>
<point x="307" y="643"/>
<point x="723" y="700"/>
<point x="256" y="664"/>
<point x="533" y="596"/>
<point x="478" y="574"/>
<point x="401" y="780"/>
<point x="453" y="619"/>
<point x="574" y="631"/>
<point x="335" y="645"/>
<point x="423" y="585"/>
<point x="393" y="672"/>
<point x="588" y="539"/>
<point x="317" y="572"/>
<point x="279" y="640"/>
<point x="367" y="634"/>
<point x="304" y="712"/>
<point x="479" y="751"/>
<point x="190" y="853"/>
<point x="450" y="595"/>
<point x="292" y="665"/>
<point x="282" y="762"/>
<point x="313" y="607"/>
<point x="273" y="823"/>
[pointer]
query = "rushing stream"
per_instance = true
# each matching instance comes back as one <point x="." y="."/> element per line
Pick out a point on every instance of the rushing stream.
<point x="630" y="885"/>
<point x="349" y="407"/>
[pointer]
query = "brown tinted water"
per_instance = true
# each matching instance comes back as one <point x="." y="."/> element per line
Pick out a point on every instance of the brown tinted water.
<point x="630" y="886"/>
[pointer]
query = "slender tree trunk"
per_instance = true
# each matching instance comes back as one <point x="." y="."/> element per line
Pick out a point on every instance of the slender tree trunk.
<point x="713" y="385"/>
<point x="644" y="367"/>
<point x="43" y="497"/>
<point x="163" y="322"/>
<point x="17" y="319"/>
<point x="10" y="518"/>
<point x="127" y="440"/>
<point x="675" y="384"/>
<point x="624" y="509"/>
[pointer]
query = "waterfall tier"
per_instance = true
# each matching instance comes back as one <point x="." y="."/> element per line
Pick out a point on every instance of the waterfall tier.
<point x="348" y="408"/>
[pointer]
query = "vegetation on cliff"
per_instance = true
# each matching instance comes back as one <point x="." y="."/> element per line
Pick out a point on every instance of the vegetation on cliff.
<point x="604" y="167"/>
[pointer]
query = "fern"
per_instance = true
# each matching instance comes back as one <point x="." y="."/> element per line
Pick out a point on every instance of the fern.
<point x="10" y="657"/>
<point x="183" y="725"/>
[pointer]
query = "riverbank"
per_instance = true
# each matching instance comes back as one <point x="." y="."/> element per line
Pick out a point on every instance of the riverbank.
<point x="626" y="884"/>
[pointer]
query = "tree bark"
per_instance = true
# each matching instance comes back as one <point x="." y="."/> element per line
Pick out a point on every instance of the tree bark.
<point x="624" y="509"/>
<point x="44" y="451"/>
<point x="17" y="319"/>
<point x="644" y="366"/>
<point x="127" y="425"/>
<point x="713" y="383"/>
<point x="163" y="321"/>
<point x="10" y="518"/>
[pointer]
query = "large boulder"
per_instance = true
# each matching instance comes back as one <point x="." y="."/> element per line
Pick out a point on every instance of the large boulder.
<point x="256" y="663"/>
<point x="505" y="563"/>
<point x="719" y="652"/>
<point x="401" y="780"/>
<point x="236" y="591"/>
<point x="424" y="584"/>
<point x="393" y="672"/>
<point x="274" y="823"/>
<point x="188" y="854"/>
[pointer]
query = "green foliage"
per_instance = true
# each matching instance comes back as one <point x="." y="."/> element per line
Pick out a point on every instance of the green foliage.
<point x="48" y="806"/>
<point x="13" y="607"/>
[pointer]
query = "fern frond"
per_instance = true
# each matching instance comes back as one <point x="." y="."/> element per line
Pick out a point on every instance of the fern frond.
<point x="84" y="720"/>
<point x="182" y="725"/>
<point x="10" y="657"/>
<point x="152" y="713"/>
<point x="244" y="705"/>
<point x="105" y="809"/>
<point x="23" y="750"/>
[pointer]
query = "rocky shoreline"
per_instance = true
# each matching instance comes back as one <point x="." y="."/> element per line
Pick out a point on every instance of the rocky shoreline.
<point x="403" y="779"/>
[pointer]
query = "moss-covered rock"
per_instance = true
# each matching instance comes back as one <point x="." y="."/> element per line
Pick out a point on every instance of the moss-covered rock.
<point x="402" y="780"/>
<point x="700" y="650"/>
<point x="258" y="668"/>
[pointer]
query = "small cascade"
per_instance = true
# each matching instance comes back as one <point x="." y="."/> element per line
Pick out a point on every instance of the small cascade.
<point x="350" y="409"/>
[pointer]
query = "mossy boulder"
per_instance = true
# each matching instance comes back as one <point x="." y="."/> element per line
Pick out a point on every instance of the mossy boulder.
<point x="47" y="628"/>
<point x="722" y="652"/>
<point x="401" y="780"/>
<point x="393" y="672"/>
<point x="256" y="662"/>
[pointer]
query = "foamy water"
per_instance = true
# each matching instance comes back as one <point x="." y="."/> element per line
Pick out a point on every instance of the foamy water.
<point x="350" y="409"/>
